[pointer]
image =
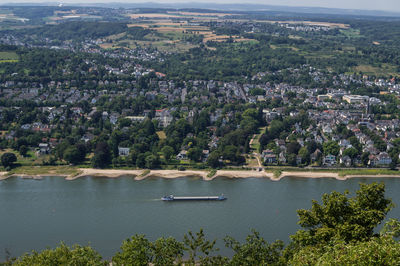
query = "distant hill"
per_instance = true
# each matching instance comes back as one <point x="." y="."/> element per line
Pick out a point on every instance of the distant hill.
<point x="229" y="7"/>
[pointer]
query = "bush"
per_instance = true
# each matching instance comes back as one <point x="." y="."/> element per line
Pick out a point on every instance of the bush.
<point x="7" y="159"/>
<point x="212" y="173"/>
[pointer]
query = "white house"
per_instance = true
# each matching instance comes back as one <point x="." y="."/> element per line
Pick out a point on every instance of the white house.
<point x="123" y="151"/>
<point x="329" y="160"/>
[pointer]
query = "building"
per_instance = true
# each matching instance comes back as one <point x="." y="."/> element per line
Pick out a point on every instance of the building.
<point x="345" y="160"/>
<point x="136" y="118"/>
<point x="268" y="156"/>
<point x="355" y="99"/>
<point x="164" y="117"/>
<point x="123" y="151"/>
<point x="322" y="97"/>
<point x="182" y="155"/>
<point x="315" y="155"/>
<point x="44" y="148"/>
<point x="329" y="160"/>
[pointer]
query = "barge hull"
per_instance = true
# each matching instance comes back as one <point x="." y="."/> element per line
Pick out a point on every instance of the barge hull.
<point x="197" y="198"/>
<point x="172" y="198"/>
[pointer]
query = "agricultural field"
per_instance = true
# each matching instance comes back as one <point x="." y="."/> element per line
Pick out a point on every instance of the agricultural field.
<point x="70" y="14"/>
<point x="7" y="15"/>
<point x="179" y="14"/>
<point x="383" y="69"/>
<point x="172" y="31"/>
<point x="8" y="57"/>
<point x="310" y="23"/>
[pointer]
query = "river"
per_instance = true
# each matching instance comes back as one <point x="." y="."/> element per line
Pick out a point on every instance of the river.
<point x="102" y="212"/>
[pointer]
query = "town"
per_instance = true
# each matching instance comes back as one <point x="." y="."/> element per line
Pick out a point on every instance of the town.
<point x="86" y="104"/>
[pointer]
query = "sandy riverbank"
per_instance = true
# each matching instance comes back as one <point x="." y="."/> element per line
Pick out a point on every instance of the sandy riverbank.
<point x="143" y="174"/>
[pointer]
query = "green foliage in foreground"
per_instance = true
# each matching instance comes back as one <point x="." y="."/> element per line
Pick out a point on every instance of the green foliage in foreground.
<point x="340" y="231"/>
<point x="62" y="255"/>
<point x="377" y="251"/>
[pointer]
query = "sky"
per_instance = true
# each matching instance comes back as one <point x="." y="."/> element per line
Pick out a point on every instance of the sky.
<point x="387" y="5"/>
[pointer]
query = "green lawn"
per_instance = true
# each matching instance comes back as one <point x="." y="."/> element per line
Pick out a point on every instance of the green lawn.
<point x="255" y="146"/>
<point x="45" y="170"/>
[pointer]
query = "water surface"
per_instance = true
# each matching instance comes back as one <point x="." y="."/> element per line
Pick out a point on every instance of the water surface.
<point x="35" y="214"/>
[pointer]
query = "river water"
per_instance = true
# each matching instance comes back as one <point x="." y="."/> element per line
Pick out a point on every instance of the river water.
<point x="102" y="212"/>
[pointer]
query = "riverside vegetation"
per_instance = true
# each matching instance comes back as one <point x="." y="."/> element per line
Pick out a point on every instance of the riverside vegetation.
<point x="339" y="230"/>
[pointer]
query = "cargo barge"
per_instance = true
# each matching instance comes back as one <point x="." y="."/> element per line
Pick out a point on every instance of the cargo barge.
<point x="173" y="198"/>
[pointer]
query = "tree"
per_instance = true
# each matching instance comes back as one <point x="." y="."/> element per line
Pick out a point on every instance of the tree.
<point x="23" y="150"/>
<point x="102" y="155"/>
<point x="331" y="147"/>
<point x="199" y="248"/>
<point x="167" y="151"/>
<point x="195" y="154"/>
<point x="82" y="151"/>
<point x="351" y="152"/>
<point x="293" y="147"/>
<point x="382" y="250"/>
<point x="152" y="161"/>
<point x="167" y="251"/>
<point x="8" y="158"/>
<point x="213" y="159"/>
<point x="72" y="155"/>
<point x="305" y="155"/>
<point x="229" y="152"/>
<point x="62" y="255"/>
<point x="141" y="160"/>
<point x="312" y="146"/>
<point x="340" y="218"/>
<point x="355" y="143"/>
<point x="365" y="158"/>
<point x="60" y="148"/>
<point x="291" y="159"/>
<point x="134" y="251"/>
<point x="255" y="251"/>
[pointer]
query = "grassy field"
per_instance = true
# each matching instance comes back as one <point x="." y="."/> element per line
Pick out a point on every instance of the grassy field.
<point x="284" y="46"/>
<point x="255" y="146"/>
<point x="351" y="33"/>
<point x="8" y="57"/>
<point x="45" y="170"/>
<point x="161" y="135"/>
<point x="344" y="172"/>
<point x="340" y="171"/>
<point x="384" y="69"/>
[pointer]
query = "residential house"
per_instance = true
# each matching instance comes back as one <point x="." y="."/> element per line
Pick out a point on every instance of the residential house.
<point x="384" y="158"/>
<point x="206" y="153"/>
<point x="344" y="143"/>
<point x="298" y="159"/>
<point x="44" y="148"/>
<point x="315" y="155"/>
<point x="329" y="160"/>
<point x="268" y="156"/>
<point x="182" y="155"/>
<point x="282" y="158"/>
<point x="345" y="160"/>
<point x="164" y="117"/>
<point x="123" y="151"/>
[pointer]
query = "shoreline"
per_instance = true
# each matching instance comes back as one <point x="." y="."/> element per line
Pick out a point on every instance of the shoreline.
<point x="171" y="174"/>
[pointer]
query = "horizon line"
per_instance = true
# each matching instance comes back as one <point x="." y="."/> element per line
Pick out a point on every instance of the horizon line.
<point x="104" y="2"/>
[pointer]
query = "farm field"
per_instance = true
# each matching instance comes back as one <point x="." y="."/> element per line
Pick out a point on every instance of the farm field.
<point x="8" y="57"/>
<point x="172" y="31"/>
